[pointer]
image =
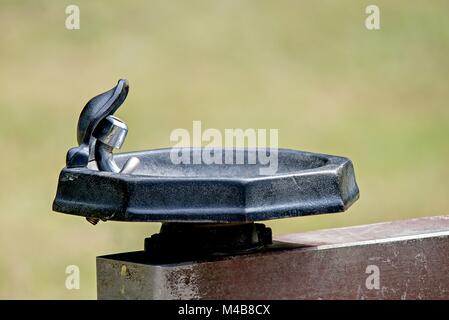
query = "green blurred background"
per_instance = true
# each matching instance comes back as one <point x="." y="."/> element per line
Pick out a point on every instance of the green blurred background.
<point x="309" y="68"/>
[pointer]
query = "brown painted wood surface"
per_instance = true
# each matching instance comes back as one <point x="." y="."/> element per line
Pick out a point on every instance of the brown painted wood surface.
<point x="412" y="258"/>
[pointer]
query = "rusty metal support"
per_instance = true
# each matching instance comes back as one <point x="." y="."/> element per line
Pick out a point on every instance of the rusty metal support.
<point x="394" y="260"/>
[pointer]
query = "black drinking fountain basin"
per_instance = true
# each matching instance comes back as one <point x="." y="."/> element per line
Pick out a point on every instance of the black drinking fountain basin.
<point x="206" y="209"/>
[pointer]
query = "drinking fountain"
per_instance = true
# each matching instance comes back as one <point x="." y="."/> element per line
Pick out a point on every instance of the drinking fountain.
<point x="206" y="210"/>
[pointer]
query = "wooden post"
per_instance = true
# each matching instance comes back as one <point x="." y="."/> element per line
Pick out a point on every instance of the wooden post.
<point x="394" y="260"/>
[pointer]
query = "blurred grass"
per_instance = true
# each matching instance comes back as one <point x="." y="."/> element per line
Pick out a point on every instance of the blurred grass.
<point x="310" y="69"/>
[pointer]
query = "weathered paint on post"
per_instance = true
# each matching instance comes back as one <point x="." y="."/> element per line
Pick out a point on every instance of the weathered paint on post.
<point x="411" y="257"/>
